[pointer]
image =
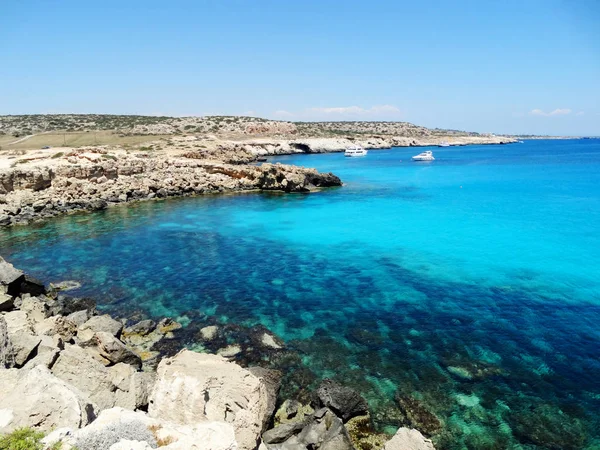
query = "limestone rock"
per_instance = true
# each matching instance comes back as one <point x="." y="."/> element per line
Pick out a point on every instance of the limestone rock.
<point x="79" y="317"/>
<point x="39" y="399"/>
<point x="113" y="350"/>
<point x="343" y="401"/>
<point x="7" y="302"/>
<point x="57" y="326"/>
<point x="209" y="333"/>
<point x="10" y="277"/>
<point x="408" y="439"/>
<point x="116" y="428"/>
<point x="143" y="328"/>
<point x="7" y="359"/>
<point x="103" y="323"/>
<point x="193" y="388"/>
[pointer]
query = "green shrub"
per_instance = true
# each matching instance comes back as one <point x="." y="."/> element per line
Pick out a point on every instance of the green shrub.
<point x="22" y="439"/>
<point x="114" y="158"/>
<point x="58" y="155"/>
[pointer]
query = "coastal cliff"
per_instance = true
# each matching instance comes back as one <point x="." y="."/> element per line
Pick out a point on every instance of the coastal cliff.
<point x="95" y="383"/>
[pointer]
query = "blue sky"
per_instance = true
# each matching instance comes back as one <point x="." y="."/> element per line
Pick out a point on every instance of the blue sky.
<point x="527" y="66"/>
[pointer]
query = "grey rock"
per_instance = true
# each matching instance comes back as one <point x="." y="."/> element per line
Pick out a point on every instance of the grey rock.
<point x="64" y="305"/>
<point x="7" y="359"/>
<point x="343" y="401"/>
<point x="36" y="309"/>
<point x="112" y="349"/>
<point x="272" y="382"/>
<point x="24" y="345"/>
<point x="282" y="433"/>
<point x="57" y="325"/>
<point x="10" y="277"/>
<point x="105" y="324"/>
<point x="142" y="328"/>
<point x="79" y="317"/>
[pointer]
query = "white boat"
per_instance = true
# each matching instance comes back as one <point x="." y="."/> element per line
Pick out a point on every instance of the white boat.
<point x="425" y="156"/>
<point x="443" y="144"/>
<point x="355" y="150"/>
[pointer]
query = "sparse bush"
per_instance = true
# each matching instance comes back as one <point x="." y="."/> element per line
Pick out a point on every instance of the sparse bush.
<point x="57" y="155"/>
<point x="113" y="157"/>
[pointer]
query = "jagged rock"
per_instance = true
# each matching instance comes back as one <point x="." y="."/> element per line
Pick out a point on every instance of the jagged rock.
<point x="408" y="439"/>
<point x="119" y="385"/>
<point x="143" y="328"/>
<point x="31" y="285"/>
<point x="7" y="359"/>
<point x="47" y="352"/>
<point x="36" y="309"/>
<point x="343" y="401"/>
<point x="113" y="350"/>
<point x="193" y="387"/>
<point x="292" y="411"/>
<point x="103" y="323"/>
<point x="79" y="317"/>
<point x="65" y="305"/>
<point x="321" y="431"/>
<point x="282" y="432"/>
<point x="37" y="398"/>
<point x="57" y="325"/>
<point x="6" y="302"/>
<point x="10" y="277"/>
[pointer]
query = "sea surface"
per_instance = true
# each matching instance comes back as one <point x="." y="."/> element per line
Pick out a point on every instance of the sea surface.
<point x="460" y="295"/>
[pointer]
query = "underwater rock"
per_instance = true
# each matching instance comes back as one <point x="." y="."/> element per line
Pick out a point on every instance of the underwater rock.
<point x="230" y="351"/>
<point x="64" y="305"/>
<point x="209" y="333"/>
<point x="363" y="435"/>
<point x="143" y="328"/>
<point x="548" y="427"/>
<point x="343" y="401"/>
<point x="66" y="285"/>
<point x="417" y="416"/>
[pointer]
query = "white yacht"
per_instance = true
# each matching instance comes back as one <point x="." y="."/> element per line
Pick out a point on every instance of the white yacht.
<point x="425" y="156"/>
<point x="443" y="144"/>
<point x="355" y="150"/>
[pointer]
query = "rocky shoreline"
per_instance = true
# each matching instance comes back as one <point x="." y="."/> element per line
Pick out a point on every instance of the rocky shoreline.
<point x="94" y="382"/>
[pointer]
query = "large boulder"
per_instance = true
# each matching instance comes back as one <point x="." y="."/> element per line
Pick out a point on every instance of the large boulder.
<point x="22" y="339"/>
<point x="10" y="278"/>
<point x="36" y="398"/>
<point x="193" y="388"/>
<point x="409" y="439"/>
<point x="343" y="401"/>
<point x="105" y="324"/>
<point x="112" y="349"/>
<point x="119" y="385"/>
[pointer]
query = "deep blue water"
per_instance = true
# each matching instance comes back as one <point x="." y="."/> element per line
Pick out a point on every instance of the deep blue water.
<point x="469" y="285"/>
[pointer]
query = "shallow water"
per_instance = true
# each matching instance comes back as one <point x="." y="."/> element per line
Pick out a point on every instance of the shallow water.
<point x="468" y="285"/>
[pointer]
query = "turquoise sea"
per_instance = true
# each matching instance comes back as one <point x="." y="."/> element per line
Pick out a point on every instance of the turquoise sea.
<point x="463" y="293"/>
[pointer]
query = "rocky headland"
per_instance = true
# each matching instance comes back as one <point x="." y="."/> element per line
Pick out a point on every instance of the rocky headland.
<point x="92" y="382"/>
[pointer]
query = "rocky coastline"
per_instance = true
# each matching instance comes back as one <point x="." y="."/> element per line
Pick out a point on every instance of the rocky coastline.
<point x="90" y="381"/>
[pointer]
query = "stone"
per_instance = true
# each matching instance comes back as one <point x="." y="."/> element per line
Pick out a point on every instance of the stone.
<point x="142" y="328"/>
<point x="79" y="317"/>
<point x="66" y="285"/>
<point x="193" y="387"/>
<point x="24" y="345"/>
<point x="116" y="428"/>
<point x="269" y="341"/>
<point x="133" y="388"/>
<point x="7" y="359"/>
<point x="47" y="352"/>
<point x="103" y="323"/>
<point x="282" y="432"/>
<point x="343" y="401"/>
<point x="408" y="439"/>
<point x="64" y="305"/>
<point x="10" y="277"/>
<point x="209" y="333"/>
<point x="113" y="350"/>
<point x="57" y="325"/>
<point x="230" y="351"/>
<point x="36" y="309"/>
<point x="7" y="302"/>
<point x="39" y="399"/>
<point x="31" y="285"/>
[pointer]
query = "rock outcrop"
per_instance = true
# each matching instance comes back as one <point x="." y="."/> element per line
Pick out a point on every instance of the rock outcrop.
<point x="193" y="388"/>
<point x="408" y="439"/>
<point x="36" y="398"/>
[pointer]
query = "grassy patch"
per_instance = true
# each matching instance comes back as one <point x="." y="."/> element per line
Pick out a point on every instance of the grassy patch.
<point x="22" y="439"/>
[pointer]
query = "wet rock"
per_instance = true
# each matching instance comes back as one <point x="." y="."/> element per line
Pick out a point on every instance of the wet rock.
<point x="282" y="432"/>
<point x="37" y="398"/>
<point x="193" y="387"/>
<point x="105" y="324"/>
<point x="408" y="439"/>
<point x="230" y="351"/>
<point x="67" y="285"/>
<point x="64" y="305"/>
<point x="343" y="401"/>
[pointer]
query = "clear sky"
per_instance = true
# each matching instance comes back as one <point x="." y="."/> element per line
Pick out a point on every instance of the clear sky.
<point x="505" y="66"/>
